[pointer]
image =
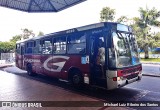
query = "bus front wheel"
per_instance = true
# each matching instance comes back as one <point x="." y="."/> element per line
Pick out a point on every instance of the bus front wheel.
<point x="77" y="79"/>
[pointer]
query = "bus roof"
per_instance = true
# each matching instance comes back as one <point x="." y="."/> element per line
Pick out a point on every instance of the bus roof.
<point x="82" y="28"/>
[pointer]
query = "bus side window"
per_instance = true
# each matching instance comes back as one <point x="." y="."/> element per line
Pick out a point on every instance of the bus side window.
<point x="77" y="44"/>
<point x="59" y="45"/>
<point x="37" y="47"/>
<point x="47" y="46"/>
<point x="29" y="47"/>
<point x="18" y="48"/>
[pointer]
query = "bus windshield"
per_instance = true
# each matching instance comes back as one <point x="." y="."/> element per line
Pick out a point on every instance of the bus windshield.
<point x="124" y="51"/>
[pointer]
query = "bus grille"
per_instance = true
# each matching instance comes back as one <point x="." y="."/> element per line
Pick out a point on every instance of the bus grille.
<point x="131" y="76"/>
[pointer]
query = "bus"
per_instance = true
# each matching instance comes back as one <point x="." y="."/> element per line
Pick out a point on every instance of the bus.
<point x="72" y="55"/>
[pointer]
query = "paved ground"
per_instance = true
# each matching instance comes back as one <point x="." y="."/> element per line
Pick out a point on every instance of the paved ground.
<point x="17" y="88"/>
<point x="5" y="65"/>
<point x="151" y="69"/>
<point x="20" y="87"/>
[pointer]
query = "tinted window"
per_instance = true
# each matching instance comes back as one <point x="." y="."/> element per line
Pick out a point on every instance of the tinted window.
<point x="18" y="48"/>
<point x="30" y="44"/>
<point x="76" y="44"/>
<point x="37" y="48"/>
<point x="29" y="47"/>
<point x="47" y="46"/>
<point x="120" y="55"/>
<point x="59" y="45"/>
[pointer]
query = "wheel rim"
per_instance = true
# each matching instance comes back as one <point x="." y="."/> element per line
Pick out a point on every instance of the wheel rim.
<point x="76" y="79"/>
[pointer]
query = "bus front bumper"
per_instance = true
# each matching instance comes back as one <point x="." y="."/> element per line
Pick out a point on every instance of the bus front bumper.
<point x="121" y="81"/>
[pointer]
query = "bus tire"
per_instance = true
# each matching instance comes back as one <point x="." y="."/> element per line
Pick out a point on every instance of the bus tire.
<point x="29" y="70"/>
<point x="76" y="78"/>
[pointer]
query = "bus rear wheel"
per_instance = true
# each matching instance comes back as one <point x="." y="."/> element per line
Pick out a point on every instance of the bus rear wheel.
<point x="77" y="79"/>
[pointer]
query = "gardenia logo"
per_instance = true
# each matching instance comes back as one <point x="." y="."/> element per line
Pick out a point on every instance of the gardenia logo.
<point x="32" y="60"/>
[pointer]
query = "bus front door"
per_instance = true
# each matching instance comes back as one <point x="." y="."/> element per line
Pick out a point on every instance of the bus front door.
<point x="96" y="64"/>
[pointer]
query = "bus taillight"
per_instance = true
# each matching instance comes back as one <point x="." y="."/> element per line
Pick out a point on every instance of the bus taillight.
<point x="114" y="78"/>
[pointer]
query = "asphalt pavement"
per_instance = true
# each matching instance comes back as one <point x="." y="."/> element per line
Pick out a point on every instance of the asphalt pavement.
<point x="151" y="69"/>
<point x="138" y="91"/>
<point x="20" y="88"/>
